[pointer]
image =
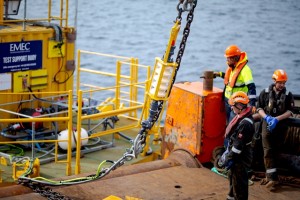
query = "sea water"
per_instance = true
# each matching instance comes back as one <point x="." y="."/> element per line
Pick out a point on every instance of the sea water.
<point x="269" y="31"/>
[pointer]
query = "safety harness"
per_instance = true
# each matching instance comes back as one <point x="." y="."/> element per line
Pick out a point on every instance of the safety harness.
<point x="276" y="103"/>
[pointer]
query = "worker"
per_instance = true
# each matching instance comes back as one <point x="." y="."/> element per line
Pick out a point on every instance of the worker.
<point x="275" y="104"/>
<point x="238" y="77"/>
<point x="237" y="158"/>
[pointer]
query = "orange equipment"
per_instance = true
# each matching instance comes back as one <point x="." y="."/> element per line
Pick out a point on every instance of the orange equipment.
<point x="232" y="50"/>
<point x="195" y="120"/>
<point x="279" y="75"/>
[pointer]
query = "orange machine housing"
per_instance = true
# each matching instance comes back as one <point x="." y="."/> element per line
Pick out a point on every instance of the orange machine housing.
<point x="195" y="120"/>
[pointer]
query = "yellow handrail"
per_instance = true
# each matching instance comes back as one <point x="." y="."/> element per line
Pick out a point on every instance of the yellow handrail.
<point x="68" y="118"/>
<point x="62" y="19"/>
<point x="124" y="98"/>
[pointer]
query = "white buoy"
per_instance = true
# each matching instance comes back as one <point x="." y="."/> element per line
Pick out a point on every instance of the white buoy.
<point x="63" y="135"/>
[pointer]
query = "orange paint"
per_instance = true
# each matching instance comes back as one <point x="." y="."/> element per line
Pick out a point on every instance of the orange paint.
<point x="195" y="120"/>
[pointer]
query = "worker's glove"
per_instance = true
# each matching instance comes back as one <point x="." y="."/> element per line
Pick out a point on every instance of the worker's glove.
<point x="222" y="159"/>
<point x="272" y="124"/>
<point x="217" y="74"/>
<point x="228" y="165"/>
<point x="268" y="118"/>
<point x="271" y="121"/>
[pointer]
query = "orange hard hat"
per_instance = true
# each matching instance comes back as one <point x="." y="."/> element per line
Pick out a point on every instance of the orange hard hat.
<point x="279" y="75"/>
<point x="232" y="50"/>
<point x="238" y="97"/>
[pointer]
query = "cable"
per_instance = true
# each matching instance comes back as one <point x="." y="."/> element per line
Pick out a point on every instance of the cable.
<point x="59" y="45"/>
<point x="64" y="182"/>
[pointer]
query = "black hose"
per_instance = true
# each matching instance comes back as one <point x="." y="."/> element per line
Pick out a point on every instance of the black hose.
<point x="125" y="136"/>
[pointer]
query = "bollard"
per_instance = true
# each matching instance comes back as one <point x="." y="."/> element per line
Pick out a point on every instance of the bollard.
<point x="208" y="80"/>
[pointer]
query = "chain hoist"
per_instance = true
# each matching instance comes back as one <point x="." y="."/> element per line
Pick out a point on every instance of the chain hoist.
<point x="162" y="65"/>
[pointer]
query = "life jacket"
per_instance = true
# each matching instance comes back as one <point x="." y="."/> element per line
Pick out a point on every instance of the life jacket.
<point x="276" y="106"/>
<point x="241" y="63"/>
<point x="236" y="120"/>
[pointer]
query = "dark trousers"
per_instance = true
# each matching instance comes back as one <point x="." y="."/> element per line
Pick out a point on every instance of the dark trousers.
<point x="272" y="142"/>
<point x="238" y="182"/>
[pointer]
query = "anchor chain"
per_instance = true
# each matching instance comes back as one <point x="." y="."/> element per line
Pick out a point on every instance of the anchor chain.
<point x="43" y="190"/>
<point x="42" y="187"/>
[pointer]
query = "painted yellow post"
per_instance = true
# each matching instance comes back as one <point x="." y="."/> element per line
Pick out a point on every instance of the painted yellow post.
<point x="78" y="143"/>
<point x="70" y="124"/>
<point x="78" y="72"/>
<point x="14" y="173"/>
<point x="56" y="152"/>
<point x="61" y="13"/>
<point x="1" y="175"/>
<point x="67" y="13"/>
<point x="118" y="77"/>
<point x="146" y="99"/>
<point x="133" y="80"/>
<point x="1" y="11"/>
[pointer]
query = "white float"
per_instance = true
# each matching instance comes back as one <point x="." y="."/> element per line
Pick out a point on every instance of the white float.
<point x="63" y="135"/>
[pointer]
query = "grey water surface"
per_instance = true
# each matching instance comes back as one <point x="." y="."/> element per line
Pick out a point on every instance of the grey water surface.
<point x="268" y="30"/>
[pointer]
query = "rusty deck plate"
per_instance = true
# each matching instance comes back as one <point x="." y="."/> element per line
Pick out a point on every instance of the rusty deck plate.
<point x="176" y="182"/>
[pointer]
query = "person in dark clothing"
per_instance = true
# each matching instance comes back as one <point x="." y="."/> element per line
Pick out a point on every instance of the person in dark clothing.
<point x="237" y="158"/>
<point x="275" y="104"/>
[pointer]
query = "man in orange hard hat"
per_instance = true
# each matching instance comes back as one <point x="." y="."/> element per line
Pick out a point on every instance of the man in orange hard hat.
<point x="275" y="104"/>
<point x="238" y="77"/>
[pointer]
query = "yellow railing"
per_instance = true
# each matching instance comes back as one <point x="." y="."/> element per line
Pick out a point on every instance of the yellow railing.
<point x="124" y="96"/>
<point x="122" y="90"/>
<point x="62" y="116"/>
<point x="62" y="18"/>
<point x="124" y="79"/>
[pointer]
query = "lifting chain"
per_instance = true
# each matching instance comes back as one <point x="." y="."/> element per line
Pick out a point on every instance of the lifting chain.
<point x="140" y="140"/>
<point x="157" y="106"/>
<point x="186" y="31"/>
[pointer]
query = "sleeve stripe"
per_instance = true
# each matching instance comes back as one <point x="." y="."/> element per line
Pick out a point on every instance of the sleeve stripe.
<point x="236" y="150"/>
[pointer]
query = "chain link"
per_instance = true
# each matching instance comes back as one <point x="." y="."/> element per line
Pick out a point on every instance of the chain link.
<point x="185" y="35"/>
<point x="43" y="190"/>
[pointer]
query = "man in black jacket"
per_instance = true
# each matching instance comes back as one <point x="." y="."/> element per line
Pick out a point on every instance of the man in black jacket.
<point x="237" y="158"/>
<point x="275" y="104"/>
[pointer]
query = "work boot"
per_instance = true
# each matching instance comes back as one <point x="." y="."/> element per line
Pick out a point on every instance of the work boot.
<point x="264" y="181"/>
<point x="272" y="185"/>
